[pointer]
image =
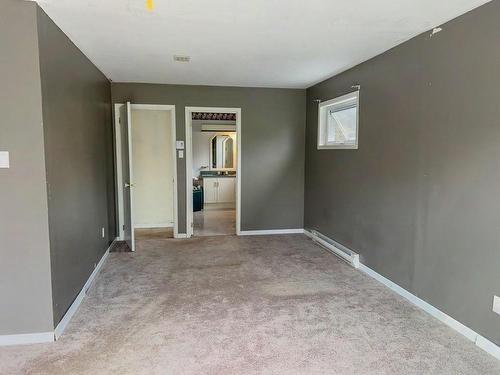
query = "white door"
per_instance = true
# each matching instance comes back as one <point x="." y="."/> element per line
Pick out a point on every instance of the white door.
<point x="226" y="190"/>
<point x="210" y="190"/>
<point x="127" y="177"/>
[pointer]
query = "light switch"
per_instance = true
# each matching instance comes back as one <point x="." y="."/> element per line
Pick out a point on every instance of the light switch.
<point x="496" y="304"/>
<point x="4" y="159"/>
<point x="179" y="145"/>
<point x="181" y="154"/>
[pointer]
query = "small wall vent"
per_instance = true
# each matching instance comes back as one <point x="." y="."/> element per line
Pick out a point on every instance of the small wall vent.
<point x="183" y="59"/>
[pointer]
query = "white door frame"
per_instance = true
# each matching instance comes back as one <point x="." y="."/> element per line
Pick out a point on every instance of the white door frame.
<point x="118" y="171"/>
<point x="119" y="179"/>
<point x="189" y="161"/>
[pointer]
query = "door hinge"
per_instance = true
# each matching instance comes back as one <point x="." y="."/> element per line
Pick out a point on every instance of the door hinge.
<point x="123" y="226"/>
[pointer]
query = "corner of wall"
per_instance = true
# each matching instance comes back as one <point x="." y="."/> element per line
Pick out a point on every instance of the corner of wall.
<point x="23" y="192"/>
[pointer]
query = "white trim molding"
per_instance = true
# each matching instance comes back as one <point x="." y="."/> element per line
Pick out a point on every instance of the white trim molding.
<point x="27" y="338"/>
<point x="189" y="160"/>
<point x="488" y="346"/>
<point x="44" y="337"/>
<point x="470" y="334"/>
<point x="171" y="108"/>
<point x="118" y="173"/>
<point x="118" y="162"/>
<point x="79" y="298"/>
<point x="346" y="101"/>
<point x="270" y="232"/>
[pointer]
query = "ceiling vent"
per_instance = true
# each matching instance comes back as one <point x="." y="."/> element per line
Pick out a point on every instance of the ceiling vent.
<point x="183" y="59"/>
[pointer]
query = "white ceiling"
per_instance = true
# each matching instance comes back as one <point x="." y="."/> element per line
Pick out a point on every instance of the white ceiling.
<point x="263" y="43"/>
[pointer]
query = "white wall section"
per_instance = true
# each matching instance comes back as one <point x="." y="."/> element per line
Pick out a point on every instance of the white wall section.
<point x="153" y="168"/>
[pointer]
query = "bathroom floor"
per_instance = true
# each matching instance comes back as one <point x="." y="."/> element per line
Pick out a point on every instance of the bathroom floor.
<point x="215" y="219"/>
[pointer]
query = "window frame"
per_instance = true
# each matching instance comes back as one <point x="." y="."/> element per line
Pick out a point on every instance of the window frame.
<point x="338" y="103"/>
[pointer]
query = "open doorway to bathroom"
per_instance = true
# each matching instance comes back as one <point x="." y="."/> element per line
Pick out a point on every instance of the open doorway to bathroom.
<point x="212" y="157"/>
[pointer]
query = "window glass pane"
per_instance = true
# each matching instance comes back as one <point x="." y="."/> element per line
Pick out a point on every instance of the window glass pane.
<point x="342" y="126"/>
<point x="338" y="122"/>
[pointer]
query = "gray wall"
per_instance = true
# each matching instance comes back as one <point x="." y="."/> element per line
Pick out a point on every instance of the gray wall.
<point x="273" y="122"/>
<point x="79" y="161"/>
<point x="24" y="235"/>
<point x="420" y="199"/>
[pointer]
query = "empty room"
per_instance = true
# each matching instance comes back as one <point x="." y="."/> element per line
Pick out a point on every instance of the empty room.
<point x="249" y="187"/>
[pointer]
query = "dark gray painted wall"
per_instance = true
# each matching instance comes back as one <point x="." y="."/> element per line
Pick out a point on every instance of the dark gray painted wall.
<point x="24" y="235"/>
<point x="273" y="122"/>
<point x="420" y="199"/>
<point x="79" y="162"/>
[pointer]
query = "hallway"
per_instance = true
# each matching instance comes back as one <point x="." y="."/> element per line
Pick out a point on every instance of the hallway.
<point x="245" y="305"/>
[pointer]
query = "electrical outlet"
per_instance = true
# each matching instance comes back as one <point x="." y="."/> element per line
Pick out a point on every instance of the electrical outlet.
<point x="496" y="304"/>
<point x="102" y="232"/>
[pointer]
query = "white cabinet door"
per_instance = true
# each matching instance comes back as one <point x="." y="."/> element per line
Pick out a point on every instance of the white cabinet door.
<point x="210" y="189"/>
<point x="226" y="190"/>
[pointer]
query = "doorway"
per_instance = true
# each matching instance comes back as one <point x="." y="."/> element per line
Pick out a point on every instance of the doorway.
<point x="213" y="171"/>
<point x="146" y="171"/>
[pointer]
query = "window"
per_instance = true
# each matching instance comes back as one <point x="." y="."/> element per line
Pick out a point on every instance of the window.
<point x="338" y="122"/>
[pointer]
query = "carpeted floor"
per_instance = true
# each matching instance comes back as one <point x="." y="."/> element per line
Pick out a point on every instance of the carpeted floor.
<point x="154" y="233"/>
<point x="245" y="305"/>
<point x="119" y="247"/>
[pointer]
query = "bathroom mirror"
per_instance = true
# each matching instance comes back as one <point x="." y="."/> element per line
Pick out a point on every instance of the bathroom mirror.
<point x="227" y="149"/>
<point x="222" y="151"/>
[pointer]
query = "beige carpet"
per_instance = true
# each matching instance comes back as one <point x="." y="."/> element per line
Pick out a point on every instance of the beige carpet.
<point x="153" y="233"/>
<point x="249" y="305"/>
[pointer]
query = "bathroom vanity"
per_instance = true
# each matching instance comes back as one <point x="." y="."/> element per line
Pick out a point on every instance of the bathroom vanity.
<point x="219" y="188"/>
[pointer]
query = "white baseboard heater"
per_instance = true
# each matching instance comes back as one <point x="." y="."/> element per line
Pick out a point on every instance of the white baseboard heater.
<point x="334" y="247"/>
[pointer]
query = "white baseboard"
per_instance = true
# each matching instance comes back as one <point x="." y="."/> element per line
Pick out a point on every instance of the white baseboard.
<point x="270" y="232"/>
<point x="488" y="346"/>
<point x="180" y="235"/>
<point x="347" y="255"/>
<point x="473" y="336"/>
<point x="157" y="225"/>
<point x="44" y="337"/>
<point x="79" y="298"/>
<point x="27" y="338"/>
<point x="479" y="340"/>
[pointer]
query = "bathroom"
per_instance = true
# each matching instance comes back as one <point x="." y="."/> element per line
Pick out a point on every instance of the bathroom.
<point x="214" y="171"/>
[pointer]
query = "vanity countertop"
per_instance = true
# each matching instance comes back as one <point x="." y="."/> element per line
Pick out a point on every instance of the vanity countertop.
<point x="219" y="176"/>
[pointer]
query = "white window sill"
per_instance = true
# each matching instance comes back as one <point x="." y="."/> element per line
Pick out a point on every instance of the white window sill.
<point x="338" y="147"/>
